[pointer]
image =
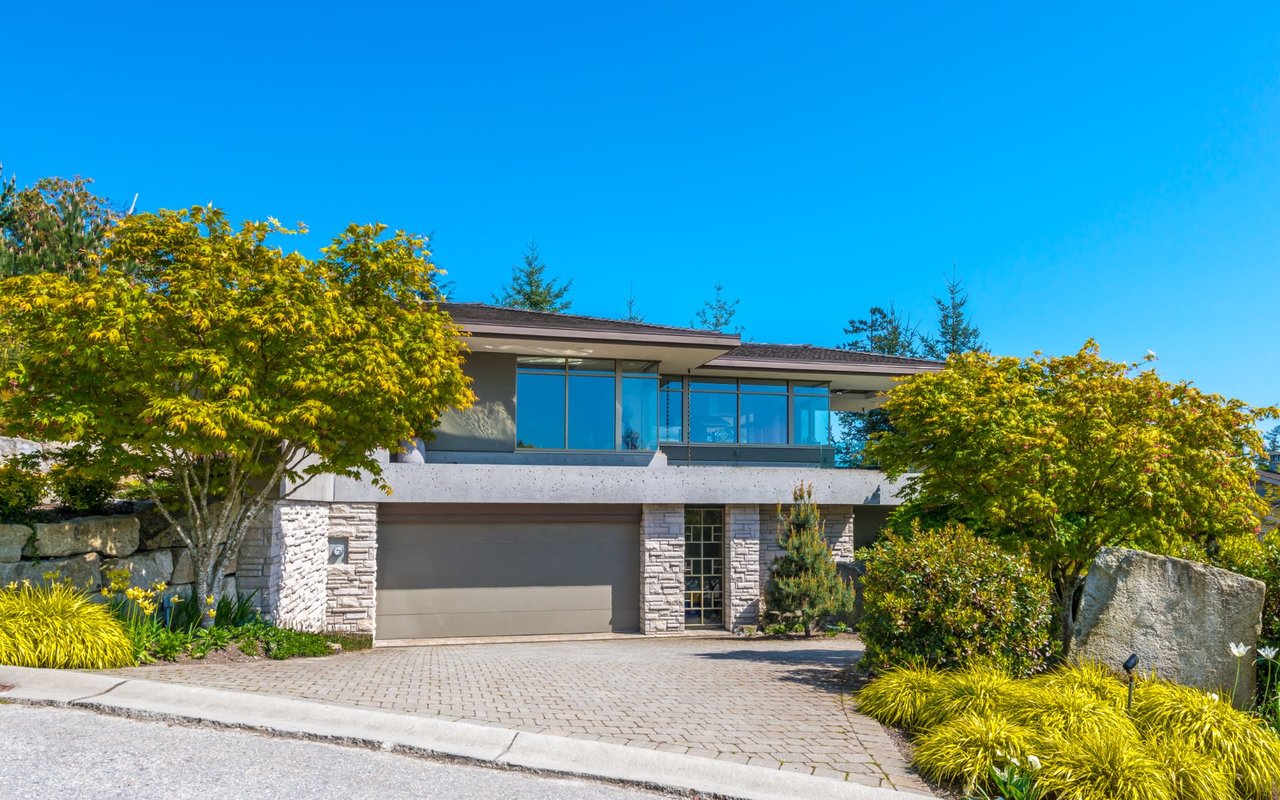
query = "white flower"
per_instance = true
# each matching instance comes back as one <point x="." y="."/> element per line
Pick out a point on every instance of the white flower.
<point x="1239" y="649"/>
<point x="1214" y="695"/>
<point x="1269" y="653"/>
<point x="1034" y="763"/>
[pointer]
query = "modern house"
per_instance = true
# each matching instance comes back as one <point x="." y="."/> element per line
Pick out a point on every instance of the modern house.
<point x="611" y="476"/>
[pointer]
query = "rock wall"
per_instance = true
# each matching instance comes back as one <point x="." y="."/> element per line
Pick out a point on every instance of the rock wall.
<point x="298" y="565"/>
<point x="662" y="568"/>
<point x="742" y="541"/>
<point x="351" y="587"/>
<point x="1179" y="617"/>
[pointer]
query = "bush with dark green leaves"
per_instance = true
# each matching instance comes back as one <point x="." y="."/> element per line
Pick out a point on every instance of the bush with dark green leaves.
<point x="945" y="597"/>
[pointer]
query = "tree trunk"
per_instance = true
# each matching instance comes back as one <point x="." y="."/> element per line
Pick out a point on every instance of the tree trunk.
<point x="1066" y="583"/>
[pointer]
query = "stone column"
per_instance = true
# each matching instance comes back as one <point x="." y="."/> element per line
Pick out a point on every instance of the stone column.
<point x="742" y="566"/>
<point x="351" y="605"/>
<point x="662" y="568"/>
<point x="297" y="565"/>
<point x="838" y="523"/>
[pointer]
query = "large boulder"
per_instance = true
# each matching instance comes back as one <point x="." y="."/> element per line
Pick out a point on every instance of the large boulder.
<point x="12" y="539"/>
<point x="112" y="536"/>
<point x="83" y="570"/>
<point x="145" y="569"/>
<point x="1180" y="618"/>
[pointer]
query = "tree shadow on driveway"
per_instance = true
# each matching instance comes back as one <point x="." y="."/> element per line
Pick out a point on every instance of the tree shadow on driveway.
<point x="825" y="669"/>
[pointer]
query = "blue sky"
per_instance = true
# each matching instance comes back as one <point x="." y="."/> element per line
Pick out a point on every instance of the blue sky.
<point x="1090" y="171"/>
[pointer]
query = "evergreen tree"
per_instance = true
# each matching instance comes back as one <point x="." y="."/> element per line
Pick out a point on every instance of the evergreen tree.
<point x="529" y="288"/>
<point x="717" y="313"/>
<point x="955" y="332"/>
<point x="55" y="225"/>
<point x="806" y="586"/>
<point x="889" y="333"/>
<point x="633" y="312"/>
<point x="885" y="331"/>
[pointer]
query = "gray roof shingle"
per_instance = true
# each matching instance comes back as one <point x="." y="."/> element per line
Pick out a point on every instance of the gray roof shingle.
<point x="826" y="355"/>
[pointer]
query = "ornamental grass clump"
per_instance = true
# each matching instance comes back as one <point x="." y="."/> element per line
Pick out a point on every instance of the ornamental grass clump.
<point x="963" y="751"/>
<point x="981" y="689"/>
<point x="898" y="696"/>
<point x="57" y="625"/>
<point x="1068" y="713"/>
<point x="1239" y="743"/>
<point x="1088" y="677"/>
<point x="1102" y="767"/>
<point x="1194" y="775"/>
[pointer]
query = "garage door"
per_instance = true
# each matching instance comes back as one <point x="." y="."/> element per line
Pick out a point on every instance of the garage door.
<point x="499" y="571"/>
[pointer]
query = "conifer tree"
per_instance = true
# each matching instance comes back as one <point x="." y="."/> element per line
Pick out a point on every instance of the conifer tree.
<point x="529" y="288"/>
<point x="717" y="313"/>
<point x="955" y="332"/>
<point x="806" y="586"/>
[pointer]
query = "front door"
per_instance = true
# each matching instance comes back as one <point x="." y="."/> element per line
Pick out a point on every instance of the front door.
<point x="703" y="567"/>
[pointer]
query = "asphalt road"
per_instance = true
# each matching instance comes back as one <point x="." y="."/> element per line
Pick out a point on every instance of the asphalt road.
<point x="58" y="753"/>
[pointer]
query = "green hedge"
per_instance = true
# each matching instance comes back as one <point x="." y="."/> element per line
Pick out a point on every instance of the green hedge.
<point x="944" y="597"/>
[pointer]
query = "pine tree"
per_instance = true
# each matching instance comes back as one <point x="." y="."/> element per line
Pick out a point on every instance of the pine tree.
<point x="717" y="313"/>
<point x="955" y="332"/>
<point x="54" y="225"/>
<point x="530" y="289"/>
<point x="806" y="586"/>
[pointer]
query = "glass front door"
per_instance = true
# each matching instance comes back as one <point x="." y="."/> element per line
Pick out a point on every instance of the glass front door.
<point x="703" y="567"/>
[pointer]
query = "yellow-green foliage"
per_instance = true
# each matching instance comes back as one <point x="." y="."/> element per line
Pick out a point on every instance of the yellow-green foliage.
<point x="1089" y="677"/>
<point x="897" y="696"/>
<point x="59" y="626"/>
<point x="1068" y="712"/>
<point x="1194" y="775"/>
<point x="1102" y="767"/>
<point x="963" y="750"/>
<point x="980" y="689"/>
<point x="1240" y="743"/>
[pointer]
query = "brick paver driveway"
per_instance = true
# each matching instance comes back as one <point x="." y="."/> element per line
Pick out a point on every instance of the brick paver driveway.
<point x="776" y="704"/>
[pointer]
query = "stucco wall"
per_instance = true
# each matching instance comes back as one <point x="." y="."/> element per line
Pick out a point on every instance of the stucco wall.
<point x="490" y="424"/>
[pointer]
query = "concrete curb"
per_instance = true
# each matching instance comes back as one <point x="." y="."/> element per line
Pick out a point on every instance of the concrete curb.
<point x="426" y="736"/>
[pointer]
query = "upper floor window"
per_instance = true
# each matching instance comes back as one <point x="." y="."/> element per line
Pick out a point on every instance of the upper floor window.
<point x="586" y="404"/>
<point x="728" y="410"/>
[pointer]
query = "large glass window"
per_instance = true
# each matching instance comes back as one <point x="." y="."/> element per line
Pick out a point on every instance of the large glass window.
<point x="811" y="413"/>
<point x="540" y="403"/>
<point x="762" y="412"/>
<point x="713" y="410"/>
<point x="726" y="410"/>
<point x="639" y="405"/>
<point x="671" y="410"/>
<point x="591" y="404"/>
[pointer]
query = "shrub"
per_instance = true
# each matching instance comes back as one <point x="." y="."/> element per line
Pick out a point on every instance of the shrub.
<point x="806" y="586"/>
<point x="1102" y="767"/>
<point x="1240" y="743"/>
<point x="59" y="626"/>
<point x="947" y="597"/>
<point x="964" y="750"/>
<point x="79" y="491"/>
<point x="898" y="696"/>
<point x="22" y="487"/>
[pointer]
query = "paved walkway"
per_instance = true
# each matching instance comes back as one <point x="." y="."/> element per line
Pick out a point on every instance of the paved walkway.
<point x="776" y="704"/>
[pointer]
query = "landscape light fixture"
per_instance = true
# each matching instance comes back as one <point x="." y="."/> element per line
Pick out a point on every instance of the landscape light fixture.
<point x="1129" y="664"/>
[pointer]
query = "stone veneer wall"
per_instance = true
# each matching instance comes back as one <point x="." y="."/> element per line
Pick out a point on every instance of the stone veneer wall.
<point x="298" y="565"/>
<point x="662" y="568"/>
<point x="838" y="522"/>
<point x="352" y="587"/>
<point x="742" y="560"/>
